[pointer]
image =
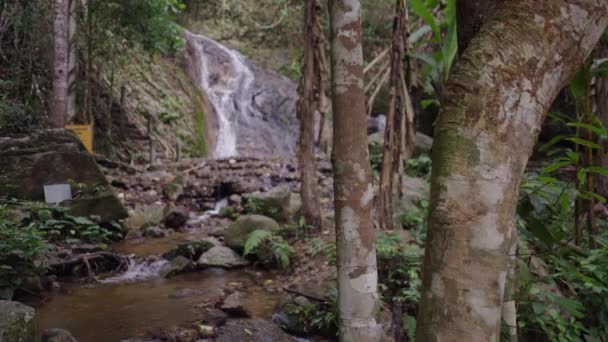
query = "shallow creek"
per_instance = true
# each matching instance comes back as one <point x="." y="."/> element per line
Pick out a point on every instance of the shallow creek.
<point x="131" y="304"/>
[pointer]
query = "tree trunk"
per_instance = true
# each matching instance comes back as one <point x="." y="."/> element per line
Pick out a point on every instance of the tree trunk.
<point x="493" y="107"/>
<point x="471" y="14"/>
<point x="353" y="190"/>
<point x="307" y="106"/>
<point x="601" y="109"/>
<point x="73" y="59"/>
<point x="59" y="104"/>
<point x="399" y="134"/>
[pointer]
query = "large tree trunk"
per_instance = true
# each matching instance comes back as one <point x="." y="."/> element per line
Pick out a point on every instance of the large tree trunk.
<point x="353" y="190"/>
<point x="307" y="106"/>
<point x="493" y="107"/>
<point x="471" y="15"/>
<point x="59" y="104"/>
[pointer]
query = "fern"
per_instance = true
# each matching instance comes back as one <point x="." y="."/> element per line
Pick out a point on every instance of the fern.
<point x="281" y="250"/>
<point x="255" y="240"/>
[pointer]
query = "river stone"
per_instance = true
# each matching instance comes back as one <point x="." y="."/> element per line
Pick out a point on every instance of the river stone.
<point x="274" y="203"/>
<point x="57" y="335"/>
<point x="178" y="265"/>
<point x="252" y="330"/>
<point x="16" y="322"/>
<point x="190" y="250"/>
<point x="56" y="156"/>
<point x="145" y="215"/>
<point x="177" y="218"/>
<point x="233" y="306"/>
<point x="224" y="257"/>
<point x="237" y="233"/>
<point x="213" y="317"/>
<point x="154" y="232"/>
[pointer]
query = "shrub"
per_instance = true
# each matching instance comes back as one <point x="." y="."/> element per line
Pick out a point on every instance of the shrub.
<point x="269" y="248"/>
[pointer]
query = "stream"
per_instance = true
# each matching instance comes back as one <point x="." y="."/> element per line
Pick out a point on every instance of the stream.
<point x="139" y="300"/>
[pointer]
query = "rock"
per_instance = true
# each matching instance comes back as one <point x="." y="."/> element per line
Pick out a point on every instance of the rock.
<point x="177" y="266"/>
<point x="56" y="156"/>
<point x="257" y="330"/>
<point x="302" y="301"/>
<point x="290" y="322"/>
<point x="414" y="190"/>
<point x="274" y="203"/>
<point x="16" y="322"/>
<point x="212" y="240"/>
<point x="147" y="215"/>
<point x="176" y="218"/>
<point x="189" y="250"/>
<point x="223" y="257"/>
<point x="206" y="331"/>
<point x="57" y="335"/>
<point x="213" y="317"/>
<point x="173" y="189"/>
<point x="154" y="232"/>
<point x="235" y="199"/>
<point x="86" y="248"/>
<point x="295" y="207"/>
<point x="233" y="306"/>
<point x="134" y="235"/>
<point x="236" y="234"/>
<point x="424" y="143"/>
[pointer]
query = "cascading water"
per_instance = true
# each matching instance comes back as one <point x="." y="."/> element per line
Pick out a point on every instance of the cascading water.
<point x="138" y="270"/>
<point x="254" y="109"/>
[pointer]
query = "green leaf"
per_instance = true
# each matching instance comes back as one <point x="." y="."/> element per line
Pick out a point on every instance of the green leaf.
<point x="595" y="129"/>
<point x="425" y="14"/>
<point x="577" y="85"/>
<point x="83" y="221"/>
<point x="254" y="240"/>
<point x="556" y="139"/>
<point x="540" y="231"/>
<point x="584" y="142"/>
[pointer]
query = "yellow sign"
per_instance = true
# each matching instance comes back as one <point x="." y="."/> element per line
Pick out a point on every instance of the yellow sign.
<point x="84" y="133"/>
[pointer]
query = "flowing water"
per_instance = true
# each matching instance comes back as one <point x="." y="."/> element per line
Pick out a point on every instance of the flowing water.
<point x="134" y="302"/>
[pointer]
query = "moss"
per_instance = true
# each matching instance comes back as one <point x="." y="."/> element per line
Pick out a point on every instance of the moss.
<point x="200" y="126"/>
<point x="456" y="153"/>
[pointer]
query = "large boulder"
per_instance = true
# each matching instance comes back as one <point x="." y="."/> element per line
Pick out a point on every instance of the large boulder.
<point x="224" y="257"/>
<point x="56" y="156"/>
<point x="274" y="203"/>
<point x="16" y="322"/>
<point x="236" y="235"/>
<point x="57" y="335"/>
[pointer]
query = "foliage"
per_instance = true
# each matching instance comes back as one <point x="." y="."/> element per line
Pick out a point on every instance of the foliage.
<point x="229" y="213"/>
<point x="415" y="220"/>
<point x="317" y="318"/>
<point x="419" y="166"/>
<point x="269" y="248"/>
<point x="20" y="250"/>
<point x="317" y="246"/>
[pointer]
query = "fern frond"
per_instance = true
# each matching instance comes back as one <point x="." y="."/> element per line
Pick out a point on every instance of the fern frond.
<point x="255" y="240"/>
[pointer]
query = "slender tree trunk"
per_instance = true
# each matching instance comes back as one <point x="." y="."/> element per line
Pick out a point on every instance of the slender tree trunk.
<point x="601" y="109"/>
<point x="399" y="134"/>
<point x="307" y="106"/>
<point x="73" y="59"/>
<point x="493" y="108"/>
<point x="59" y="106"/>
<point x="353" y="190"/>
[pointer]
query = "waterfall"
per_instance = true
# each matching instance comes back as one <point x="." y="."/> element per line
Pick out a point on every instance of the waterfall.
<point x="253" y="109"/>
<point x="228" y="82"/>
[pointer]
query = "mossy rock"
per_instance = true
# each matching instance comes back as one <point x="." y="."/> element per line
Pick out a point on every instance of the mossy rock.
<point x="53" y="157"/>
<point x="16" y="322"/>
<point x="189" y="250"/>
<point x="236" y="235"/>
<point x="274" y="203"/>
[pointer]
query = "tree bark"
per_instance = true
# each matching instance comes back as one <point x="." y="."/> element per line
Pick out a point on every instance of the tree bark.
<point x="353" y="191"/>
<point x="400" y="133"/>
<point x="59" y="104"/>
<point x="72" y="111"/>
<point x="493" y="107"/>
<point x="601" y="109"/>
<point x="307" y="106"/>
<point x="471" y="14"/>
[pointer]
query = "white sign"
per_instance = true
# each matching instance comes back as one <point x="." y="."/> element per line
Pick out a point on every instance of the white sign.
<point x="57" y="193"/>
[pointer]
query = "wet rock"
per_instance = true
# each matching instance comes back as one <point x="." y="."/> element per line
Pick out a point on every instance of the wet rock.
<point x="302" y="301"/>
<point x="147" y="215"/>
<point x="134" y="235"/>
<point x="189" y="250"/>
<point x="174" y="189"/>
<point x="56" y="156"/>
<point x="213" y="317"/>
<point x="235" y="199"/>
<point x="154" y="232"/>
<point x="252" y="330"/>
<point x="236" y="234"/>
<point x="57" y="335"/>
<point x="424" y="143"/>
<point x="274" y="203"/>
<point x="177" y="266"/>
<point x="176" y="218"/>
<point x="16" y="322"/>
<point x="290" y="322"/>
<point x="224" y="257"/>
<point x="234" y="307"/>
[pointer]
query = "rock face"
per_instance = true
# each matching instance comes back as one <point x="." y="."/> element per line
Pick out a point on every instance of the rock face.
<point x="57" y="335"/>
<point x="274" y="203"/>
<point x="223" y="257"/>
<point x="56" y="156"/>
<point x="236" y="235"/>
<point x="254" y="108"/>
<point x="16" y="322"/>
